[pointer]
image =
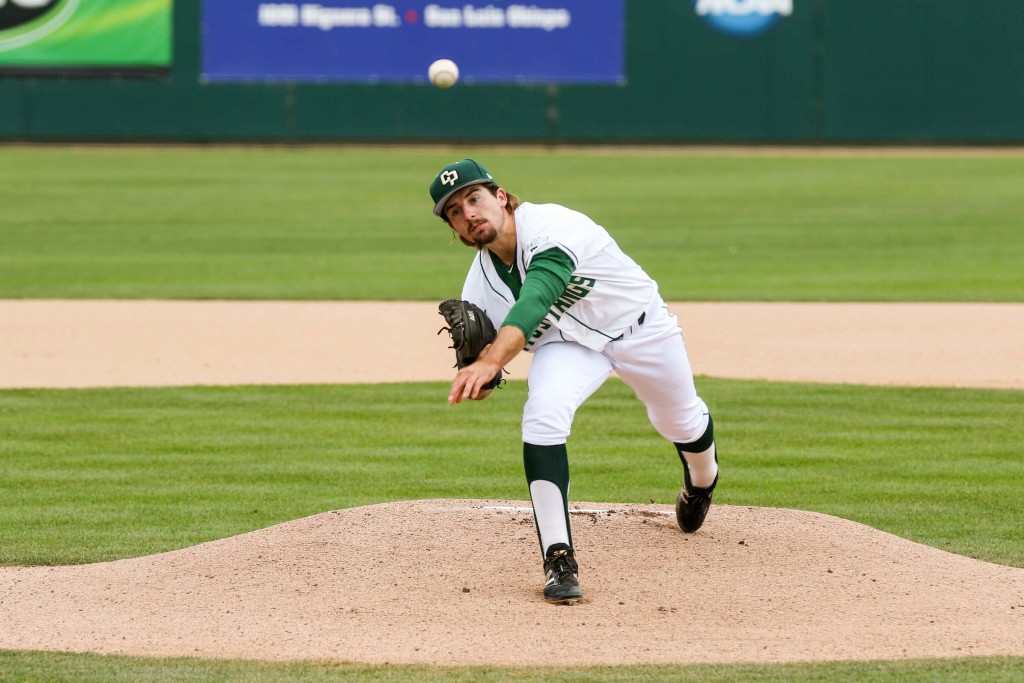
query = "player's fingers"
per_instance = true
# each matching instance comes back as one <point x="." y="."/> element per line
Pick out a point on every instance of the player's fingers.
<point x="462" y="386"/>
<point x="470" y="389"/>
<point x="455" y="395"/>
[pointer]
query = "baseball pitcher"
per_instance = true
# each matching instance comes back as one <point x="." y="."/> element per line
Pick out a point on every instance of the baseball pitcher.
<point x="554" y="283"/>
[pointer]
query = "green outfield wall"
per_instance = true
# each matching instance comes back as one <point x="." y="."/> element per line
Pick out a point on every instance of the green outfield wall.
<point x="831" y="72"/>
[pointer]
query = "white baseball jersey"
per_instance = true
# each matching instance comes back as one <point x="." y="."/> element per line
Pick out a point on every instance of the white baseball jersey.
<point x="606" y="294"/>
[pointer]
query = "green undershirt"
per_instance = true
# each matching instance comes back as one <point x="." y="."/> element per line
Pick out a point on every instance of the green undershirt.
<point x="545" y="281"/>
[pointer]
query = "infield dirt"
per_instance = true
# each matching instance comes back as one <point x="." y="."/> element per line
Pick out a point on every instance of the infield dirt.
<point x="458" y="581"/>
<point x="445" y="581"/>
<point x="160" y="343"/>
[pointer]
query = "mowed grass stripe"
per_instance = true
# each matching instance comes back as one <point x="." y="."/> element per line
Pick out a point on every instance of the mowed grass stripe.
<point x="90" y="475"/>
<point x="82" y="668"/>
<point x="356" y="223"/>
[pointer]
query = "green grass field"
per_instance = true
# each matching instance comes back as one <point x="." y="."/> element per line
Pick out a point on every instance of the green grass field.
<point x="356" y="223"/>
<point x="59" y="667"/>
<point x="89" y="475"/>
<point x="95" y="475"/>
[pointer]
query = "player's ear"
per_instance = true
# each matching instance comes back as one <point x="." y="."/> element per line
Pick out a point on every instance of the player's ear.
<point x="502" y="197"/>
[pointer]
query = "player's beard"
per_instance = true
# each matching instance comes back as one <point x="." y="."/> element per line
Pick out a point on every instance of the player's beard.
<point x="484" y="237"/>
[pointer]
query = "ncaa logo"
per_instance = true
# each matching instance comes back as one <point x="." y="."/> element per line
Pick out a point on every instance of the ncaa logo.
<point x="744" y="18"/>
<point x="26" y="21"/>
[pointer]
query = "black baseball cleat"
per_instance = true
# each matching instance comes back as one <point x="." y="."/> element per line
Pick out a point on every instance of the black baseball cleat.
<point x="562" y="573"/>
<point x="693" y="503"/>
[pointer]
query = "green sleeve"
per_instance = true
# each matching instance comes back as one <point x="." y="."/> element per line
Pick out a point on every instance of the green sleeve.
<point x="545" y="281"/>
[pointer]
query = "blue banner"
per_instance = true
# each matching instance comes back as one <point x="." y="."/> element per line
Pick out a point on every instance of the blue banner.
<point x="544" y="41"/>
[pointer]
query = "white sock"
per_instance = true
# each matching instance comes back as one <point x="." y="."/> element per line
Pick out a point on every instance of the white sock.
<point x="702" y="466"/>
<point x="550" y="511"/>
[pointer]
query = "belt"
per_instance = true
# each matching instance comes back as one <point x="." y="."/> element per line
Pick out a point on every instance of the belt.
<point x="639" y="322"/>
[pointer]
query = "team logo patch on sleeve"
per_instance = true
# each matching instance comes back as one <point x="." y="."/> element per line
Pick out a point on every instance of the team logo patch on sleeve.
<point x="534" y="244"/>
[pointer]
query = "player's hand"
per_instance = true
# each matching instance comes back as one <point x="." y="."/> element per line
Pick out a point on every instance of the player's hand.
<point x="469" y="381"/>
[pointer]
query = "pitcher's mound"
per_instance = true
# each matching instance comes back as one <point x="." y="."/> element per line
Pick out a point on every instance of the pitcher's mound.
<point x="459" y="582"/>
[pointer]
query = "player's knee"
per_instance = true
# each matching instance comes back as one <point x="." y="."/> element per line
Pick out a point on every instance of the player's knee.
<point x="702" y="442"/>
<point x="544" y="431"/>
<point x="545" y="423"/>
<point x="681" y="425"/>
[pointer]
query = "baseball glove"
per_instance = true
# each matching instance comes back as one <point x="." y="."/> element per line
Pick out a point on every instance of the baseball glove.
<point x="471" y="330"/>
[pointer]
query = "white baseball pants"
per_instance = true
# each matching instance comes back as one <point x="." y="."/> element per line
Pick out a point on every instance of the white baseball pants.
<point x="651" y="358"/>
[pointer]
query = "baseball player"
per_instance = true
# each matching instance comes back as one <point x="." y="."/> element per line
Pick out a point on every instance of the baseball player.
<point x="555" y="284"/>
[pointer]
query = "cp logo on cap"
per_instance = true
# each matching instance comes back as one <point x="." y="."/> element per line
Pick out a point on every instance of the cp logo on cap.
<point x="449" y="177"/>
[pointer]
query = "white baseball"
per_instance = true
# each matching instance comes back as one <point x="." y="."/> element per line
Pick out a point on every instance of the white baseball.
<point x="443" y="73"/>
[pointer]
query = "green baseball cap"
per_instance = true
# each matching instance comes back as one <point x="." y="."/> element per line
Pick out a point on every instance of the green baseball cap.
<point x="454" y="177"/>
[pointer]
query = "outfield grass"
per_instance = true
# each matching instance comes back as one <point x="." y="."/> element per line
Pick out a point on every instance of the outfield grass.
<point x="91" y="475"/>
<point x="56" y="667"/>
<point x="355" y="223"/>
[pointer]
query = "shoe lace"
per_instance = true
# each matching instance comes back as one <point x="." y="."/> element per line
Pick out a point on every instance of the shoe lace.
<point x="561" y="563"/>
<point x="700" y="497"/>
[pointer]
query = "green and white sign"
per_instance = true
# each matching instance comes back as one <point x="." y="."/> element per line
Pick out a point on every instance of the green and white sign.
<point x="85" y="33"/>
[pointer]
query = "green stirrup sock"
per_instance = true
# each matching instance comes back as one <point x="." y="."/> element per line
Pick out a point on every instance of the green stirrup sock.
<point x="548" y="463"/>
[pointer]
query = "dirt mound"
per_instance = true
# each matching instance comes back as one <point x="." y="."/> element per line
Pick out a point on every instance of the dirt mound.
<point x="458" y="582"/>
